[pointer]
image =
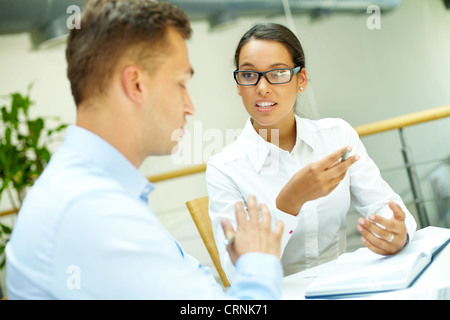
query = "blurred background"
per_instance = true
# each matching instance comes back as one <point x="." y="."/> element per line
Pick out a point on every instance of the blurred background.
<point x="363" y="65"/>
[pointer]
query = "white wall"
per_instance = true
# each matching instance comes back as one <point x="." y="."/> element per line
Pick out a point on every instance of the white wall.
<point x="355" y="73"/>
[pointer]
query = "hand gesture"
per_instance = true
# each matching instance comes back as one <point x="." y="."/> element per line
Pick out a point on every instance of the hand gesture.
<point x="316" y="180"/>
<point x="388" y="239"/>
<point x="252" y="234"/>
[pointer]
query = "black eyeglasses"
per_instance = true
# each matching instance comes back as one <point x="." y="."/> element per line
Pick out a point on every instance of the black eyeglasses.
<point x="275" y="76"/>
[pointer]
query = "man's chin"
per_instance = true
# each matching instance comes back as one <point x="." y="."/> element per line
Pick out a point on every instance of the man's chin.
<point x="175" y="147"/>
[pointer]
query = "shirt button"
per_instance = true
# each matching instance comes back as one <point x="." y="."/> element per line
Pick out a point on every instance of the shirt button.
<point x="146" y="192"/>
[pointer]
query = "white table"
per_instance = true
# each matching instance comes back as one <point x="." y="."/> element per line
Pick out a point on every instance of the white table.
<point x="433" y="283"/>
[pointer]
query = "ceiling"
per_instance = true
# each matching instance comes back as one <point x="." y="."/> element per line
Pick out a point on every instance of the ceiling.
<point x="47" y="19"/>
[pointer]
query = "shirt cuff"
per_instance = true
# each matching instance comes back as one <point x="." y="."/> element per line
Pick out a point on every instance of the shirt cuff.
<point x="290" y="224"/>
<point x="258" y="276"/>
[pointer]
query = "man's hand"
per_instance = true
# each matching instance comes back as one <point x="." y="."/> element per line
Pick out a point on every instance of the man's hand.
<point x="252" y="234"/>
<point x="388" y="240"/>
<point x="315" y="180"/>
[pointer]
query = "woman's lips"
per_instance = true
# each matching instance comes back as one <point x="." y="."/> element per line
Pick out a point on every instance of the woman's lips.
<point x="265" y="106"/>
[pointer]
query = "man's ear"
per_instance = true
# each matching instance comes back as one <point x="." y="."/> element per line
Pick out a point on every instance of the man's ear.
<point x="131" y="80"/>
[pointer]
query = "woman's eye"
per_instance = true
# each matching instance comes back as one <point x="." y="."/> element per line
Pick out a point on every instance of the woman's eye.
<point x="248" y="75"/>
<point x="278" y="73"/>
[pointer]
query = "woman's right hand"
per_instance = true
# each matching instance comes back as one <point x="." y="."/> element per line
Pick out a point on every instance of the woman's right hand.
<point x="315" y="180"/>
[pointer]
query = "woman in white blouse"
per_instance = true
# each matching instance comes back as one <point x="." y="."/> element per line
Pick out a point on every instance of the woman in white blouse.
<point x="294" y="165"/>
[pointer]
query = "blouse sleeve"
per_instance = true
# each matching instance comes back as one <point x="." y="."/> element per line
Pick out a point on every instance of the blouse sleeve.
<point x="370" y="192"/>
<point x="223" y="194"/>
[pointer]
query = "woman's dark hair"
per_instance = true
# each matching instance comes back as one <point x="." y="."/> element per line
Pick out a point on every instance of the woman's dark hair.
<point x="274" y="32"/>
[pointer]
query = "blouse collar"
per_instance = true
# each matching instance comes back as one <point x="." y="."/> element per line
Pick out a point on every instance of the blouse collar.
<point x="258" y="149"/>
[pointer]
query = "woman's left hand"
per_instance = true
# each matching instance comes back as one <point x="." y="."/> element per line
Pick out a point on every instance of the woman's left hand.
<point x="388" y="240"/>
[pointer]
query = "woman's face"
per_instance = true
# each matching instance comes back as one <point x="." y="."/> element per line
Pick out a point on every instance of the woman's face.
<point x="270" y="105"/>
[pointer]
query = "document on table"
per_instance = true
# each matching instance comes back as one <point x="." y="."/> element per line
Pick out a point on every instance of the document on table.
<point x="364" y="271"/>
<point x="437" y="291"/>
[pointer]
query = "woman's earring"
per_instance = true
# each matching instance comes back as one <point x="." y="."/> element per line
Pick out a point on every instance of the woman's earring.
<point x="301" y="88"/>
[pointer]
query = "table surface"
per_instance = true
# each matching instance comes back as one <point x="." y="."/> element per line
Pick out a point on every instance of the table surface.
<point x="433" y="283"/>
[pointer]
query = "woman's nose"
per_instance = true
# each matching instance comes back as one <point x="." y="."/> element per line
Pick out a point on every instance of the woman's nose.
<point x="263" y="86"/>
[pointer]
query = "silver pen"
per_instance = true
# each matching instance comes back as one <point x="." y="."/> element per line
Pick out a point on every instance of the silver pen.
<point x="229" y="240"/>
<point x="345" y="155"/>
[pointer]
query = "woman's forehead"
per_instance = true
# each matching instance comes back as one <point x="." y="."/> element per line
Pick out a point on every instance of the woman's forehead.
<point x="265" y="53"/>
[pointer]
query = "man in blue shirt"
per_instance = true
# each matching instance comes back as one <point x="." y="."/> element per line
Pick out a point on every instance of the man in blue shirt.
<point x="85" y="230"/>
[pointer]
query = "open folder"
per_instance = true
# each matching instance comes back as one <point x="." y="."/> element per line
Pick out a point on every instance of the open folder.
<point x="364" y="271"/>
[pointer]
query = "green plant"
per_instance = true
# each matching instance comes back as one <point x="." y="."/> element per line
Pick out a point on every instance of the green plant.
<point x="24" y="153"/>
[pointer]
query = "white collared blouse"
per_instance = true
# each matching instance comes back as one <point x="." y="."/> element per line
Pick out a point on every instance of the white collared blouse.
<point x="251" y="165"/>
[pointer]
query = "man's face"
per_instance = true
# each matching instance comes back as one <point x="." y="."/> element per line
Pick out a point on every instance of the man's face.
<point x="168" y="101"/>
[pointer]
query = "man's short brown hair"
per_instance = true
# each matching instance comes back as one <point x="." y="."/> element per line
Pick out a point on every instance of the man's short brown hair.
<point x="112" y="28"/>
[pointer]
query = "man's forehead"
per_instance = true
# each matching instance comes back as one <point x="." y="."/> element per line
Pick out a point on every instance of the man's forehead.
<point x="179" y="54"/>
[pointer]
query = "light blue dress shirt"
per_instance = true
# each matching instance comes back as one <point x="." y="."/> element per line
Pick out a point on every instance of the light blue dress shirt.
<point x="85" y="231"/>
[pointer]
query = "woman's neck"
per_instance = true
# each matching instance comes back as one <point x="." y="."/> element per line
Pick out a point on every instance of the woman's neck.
<point x="283" y="134"/>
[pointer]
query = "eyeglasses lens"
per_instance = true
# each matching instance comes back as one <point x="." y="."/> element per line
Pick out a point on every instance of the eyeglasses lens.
<point x="273" y="76"/>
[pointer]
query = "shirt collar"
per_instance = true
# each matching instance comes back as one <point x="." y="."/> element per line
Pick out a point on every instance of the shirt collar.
<point x="305" y="132"/>
<point x="257" y="149"/>
<point x="104" y="155"/>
